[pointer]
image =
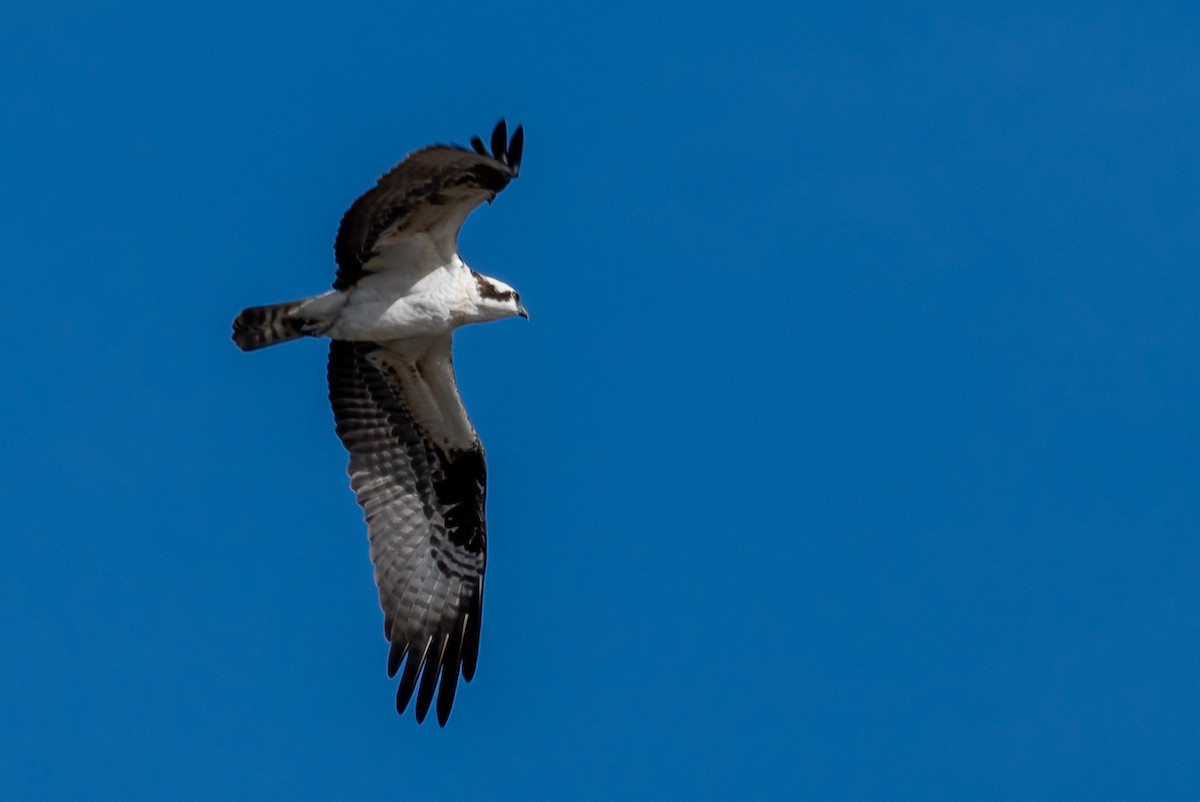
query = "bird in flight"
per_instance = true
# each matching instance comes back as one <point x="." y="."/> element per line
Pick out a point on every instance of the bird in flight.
<point x="416" y="463"/>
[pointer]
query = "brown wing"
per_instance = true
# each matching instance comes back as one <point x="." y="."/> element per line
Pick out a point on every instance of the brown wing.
<point x="432" y="191"/>
<point x="425" y="518"/>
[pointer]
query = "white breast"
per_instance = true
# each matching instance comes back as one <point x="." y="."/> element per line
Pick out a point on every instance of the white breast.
<point x="385" y="306"/>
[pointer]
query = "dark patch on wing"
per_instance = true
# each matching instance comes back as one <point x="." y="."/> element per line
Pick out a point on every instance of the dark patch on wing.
<point x="439" y="175"/>
<point x="426" y="505"/>
<point x="460" y="488"/>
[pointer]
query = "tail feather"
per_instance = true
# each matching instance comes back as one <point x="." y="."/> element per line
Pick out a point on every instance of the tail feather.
<point x="260" y="326"/>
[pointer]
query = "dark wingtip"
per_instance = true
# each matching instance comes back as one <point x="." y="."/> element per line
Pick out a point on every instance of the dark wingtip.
<point x="408" y="680"/>
<point x="395" y="655"/>
<point x="470" y="644"/>
<point x="515" y="147"/>
<point x="500" y="141"/>
<point x="450" y="668"/>
<point x="480" y="148"/>
<point x="443" y="713"/>
<point x="429" y="682"/>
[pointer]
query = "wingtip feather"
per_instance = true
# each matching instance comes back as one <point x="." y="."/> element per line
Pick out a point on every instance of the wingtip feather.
<point x="500" y="141"/>
<point x="515" y="148"/>
<point x="395" y="655"/>
<point x="429" y="679"/>
<point x="408" y="680"/>
<point x="470" y="645"/>
<point x="450" y="669"/>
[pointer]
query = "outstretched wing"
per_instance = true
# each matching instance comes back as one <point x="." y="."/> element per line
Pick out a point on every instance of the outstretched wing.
<point x="431" y="192"/>
<point x="424" y="508"/>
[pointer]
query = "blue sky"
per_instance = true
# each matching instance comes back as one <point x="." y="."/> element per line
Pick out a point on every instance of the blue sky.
<point x="851" y="450"/>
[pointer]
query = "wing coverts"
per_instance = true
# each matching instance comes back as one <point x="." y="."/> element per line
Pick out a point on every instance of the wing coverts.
<point x="432" y="189"/>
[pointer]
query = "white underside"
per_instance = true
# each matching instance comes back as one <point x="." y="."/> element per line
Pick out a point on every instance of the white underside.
<point x="411" y="301"/>
<point x="385" y="306"/>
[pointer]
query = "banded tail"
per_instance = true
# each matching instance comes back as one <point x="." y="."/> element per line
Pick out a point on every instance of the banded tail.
<point x="260" y="326"/>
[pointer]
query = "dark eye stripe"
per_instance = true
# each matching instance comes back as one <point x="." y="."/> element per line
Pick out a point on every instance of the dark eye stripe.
<point x="489" y="290"/>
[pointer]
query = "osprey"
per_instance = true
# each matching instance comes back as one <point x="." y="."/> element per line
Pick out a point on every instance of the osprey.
<point x="416" y="464"/>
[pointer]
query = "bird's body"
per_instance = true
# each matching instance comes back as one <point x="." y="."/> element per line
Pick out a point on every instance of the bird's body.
<point x="416" y="463"/>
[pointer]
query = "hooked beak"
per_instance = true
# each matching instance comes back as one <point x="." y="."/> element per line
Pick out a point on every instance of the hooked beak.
<point x="521" y="310"/>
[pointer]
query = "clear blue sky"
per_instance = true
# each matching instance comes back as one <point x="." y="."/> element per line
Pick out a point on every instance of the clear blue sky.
<point x="851" y="450"/>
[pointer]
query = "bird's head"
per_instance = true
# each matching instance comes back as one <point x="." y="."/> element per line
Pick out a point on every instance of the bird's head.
<point x="496" y="300"/>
